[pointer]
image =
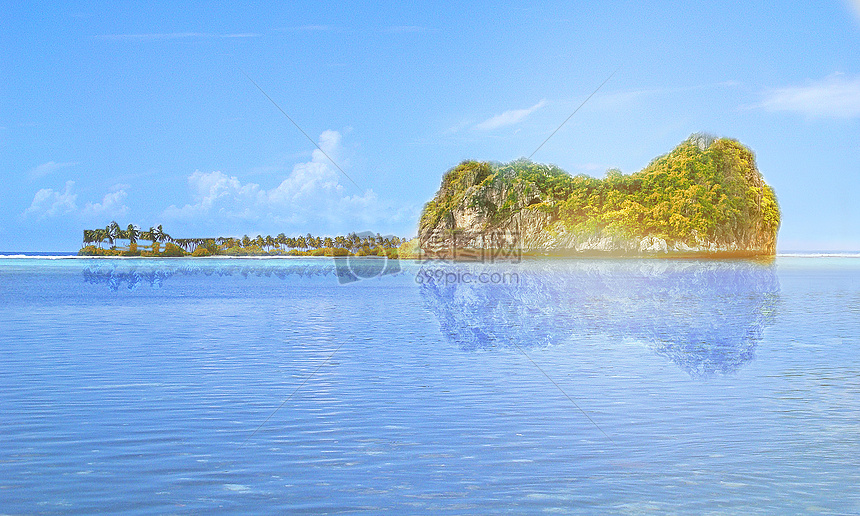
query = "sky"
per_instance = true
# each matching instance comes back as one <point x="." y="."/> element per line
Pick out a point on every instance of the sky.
<point x="161" y="113"/>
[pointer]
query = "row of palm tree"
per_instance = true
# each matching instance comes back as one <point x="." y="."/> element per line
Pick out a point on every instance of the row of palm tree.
<point x="113" y="232"/>
<point x="352" y="241"/>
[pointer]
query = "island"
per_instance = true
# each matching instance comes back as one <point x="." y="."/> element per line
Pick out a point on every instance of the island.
<point x="704" y="198"/>
<point x="131" y="242"/>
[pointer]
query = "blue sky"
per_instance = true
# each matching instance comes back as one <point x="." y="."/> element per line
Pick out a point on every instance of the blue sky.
<point x="143" y="114"/>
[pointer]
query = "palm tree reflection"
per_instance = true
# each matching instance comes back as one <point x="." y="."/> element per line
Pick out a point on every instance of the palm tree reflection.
<point x="133" y="274"/>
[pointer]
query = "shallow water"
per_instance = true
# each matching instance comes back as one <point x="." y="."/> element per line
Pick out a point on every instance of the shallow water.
<point x="300" y="386"/>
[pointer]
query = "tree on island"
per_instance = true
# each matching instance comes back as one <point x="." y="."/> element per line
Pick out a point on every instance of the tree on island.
<point x="304" y="245"/>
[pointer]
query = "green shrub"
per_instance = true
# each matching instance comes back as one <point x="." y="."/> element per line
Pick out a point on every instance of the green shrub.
<point x="132" y="250"/>
<point x="172" y="250"/>
<point x="705" y="188"/>
<point x="92" y="250"/>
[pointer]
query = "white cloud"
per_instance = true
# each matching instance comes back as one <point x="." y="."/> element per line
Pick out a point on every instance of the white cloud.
<point x="50" y="203"/>
<point x="835" y="96"/>
<point x="854" y="5"/>
<point x="48" y="168"/>
<point x="313" y="197"/>
<point x="507" y="118"/>
<point x="111" y="205"/>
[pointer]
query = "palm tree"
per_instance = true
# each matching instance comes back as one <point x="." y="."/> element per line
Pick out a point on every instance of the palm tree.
<point x="131" y="233"/>
<point x="161" y="235"/>
<point x="114" y="232"/>
<point x="154" y="233"/>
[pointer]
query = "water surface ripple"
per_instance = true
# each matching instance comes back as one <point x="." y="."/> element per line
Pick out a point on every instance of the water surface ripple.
<point x="142" y="386"/>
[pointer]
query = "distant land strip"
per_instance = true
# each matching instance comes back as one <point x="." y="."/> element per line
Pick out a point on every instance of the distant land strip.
<point x="155" y="242"/>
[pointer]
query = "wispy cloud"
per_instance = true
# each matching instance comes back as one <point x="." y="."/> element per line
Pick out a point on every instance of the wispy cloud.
<point x="854" y="5"/>
<point x="403" y="29"/>
<point x="511" y="117"/>
<point x="624" y="99"/>
<point x="835" y="96"/>
<point x="50" y="203"/>
<point x="48" y="168"/>
<point x="456" y="128"/>
<point x="113" y="205"/>
<point x="394" y="29"/>
<point x="174" y="35"/>
<point x="311" y="195"/>
<point x="314" y="28"/>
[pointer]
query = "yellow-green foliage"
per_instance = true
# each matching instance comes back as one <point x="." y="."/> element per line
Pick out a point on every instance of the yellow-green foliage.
<point x="409" y="250"/>
<point x="173" y="251"/>
<point x="454" y="185"/>
<point x="132" y="250"/>
<point x="328" y="251"/>
<point x="713" y="192"/>
<point x="92" y="250"/>
<point x="250" y="250"/>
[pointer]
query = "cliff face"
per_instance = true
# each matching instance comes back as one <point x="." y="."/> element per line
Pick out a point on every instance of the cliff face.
<point x="706" y="197"/>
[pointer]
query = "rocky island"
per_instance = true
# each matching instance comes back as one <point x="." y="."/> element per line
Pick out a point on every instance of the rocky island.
<point x="704" y="198"/>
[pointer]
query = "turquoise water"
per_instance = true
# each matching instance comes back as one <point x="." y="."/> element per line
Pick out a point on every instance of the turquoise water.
<point x="309" y="386"/>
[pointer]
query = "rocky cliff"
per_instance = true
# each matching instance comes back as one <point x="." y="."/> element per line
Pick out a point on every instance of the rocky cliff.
<point x="706" y="197"/>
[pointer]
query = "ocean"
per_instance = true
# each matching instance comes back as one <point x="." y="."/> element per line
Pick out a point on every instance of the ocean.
<point x="315" y="386"/>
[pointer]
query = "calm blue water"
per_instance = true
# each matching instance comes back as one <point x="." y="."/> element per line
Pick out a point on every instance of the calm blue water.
<point x="579" y="387"/>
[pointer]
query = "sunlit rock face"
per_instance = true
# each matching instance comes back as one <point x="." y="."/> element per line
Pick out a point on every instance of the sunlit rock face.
<point x="705" y="198"/>
<point x="706" y="316"/>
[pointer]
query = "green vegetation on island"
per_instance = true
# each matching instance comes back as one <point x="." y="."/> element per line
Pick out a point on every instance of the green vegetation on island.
<point x="161" y="244"/>
<point x="705" y="194"/>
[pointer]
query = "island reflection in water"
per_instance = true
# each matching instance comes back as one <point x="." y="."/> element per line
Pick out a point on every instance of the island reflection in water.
<point x="706" y="316"/>
<point x="131" y="275"/>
